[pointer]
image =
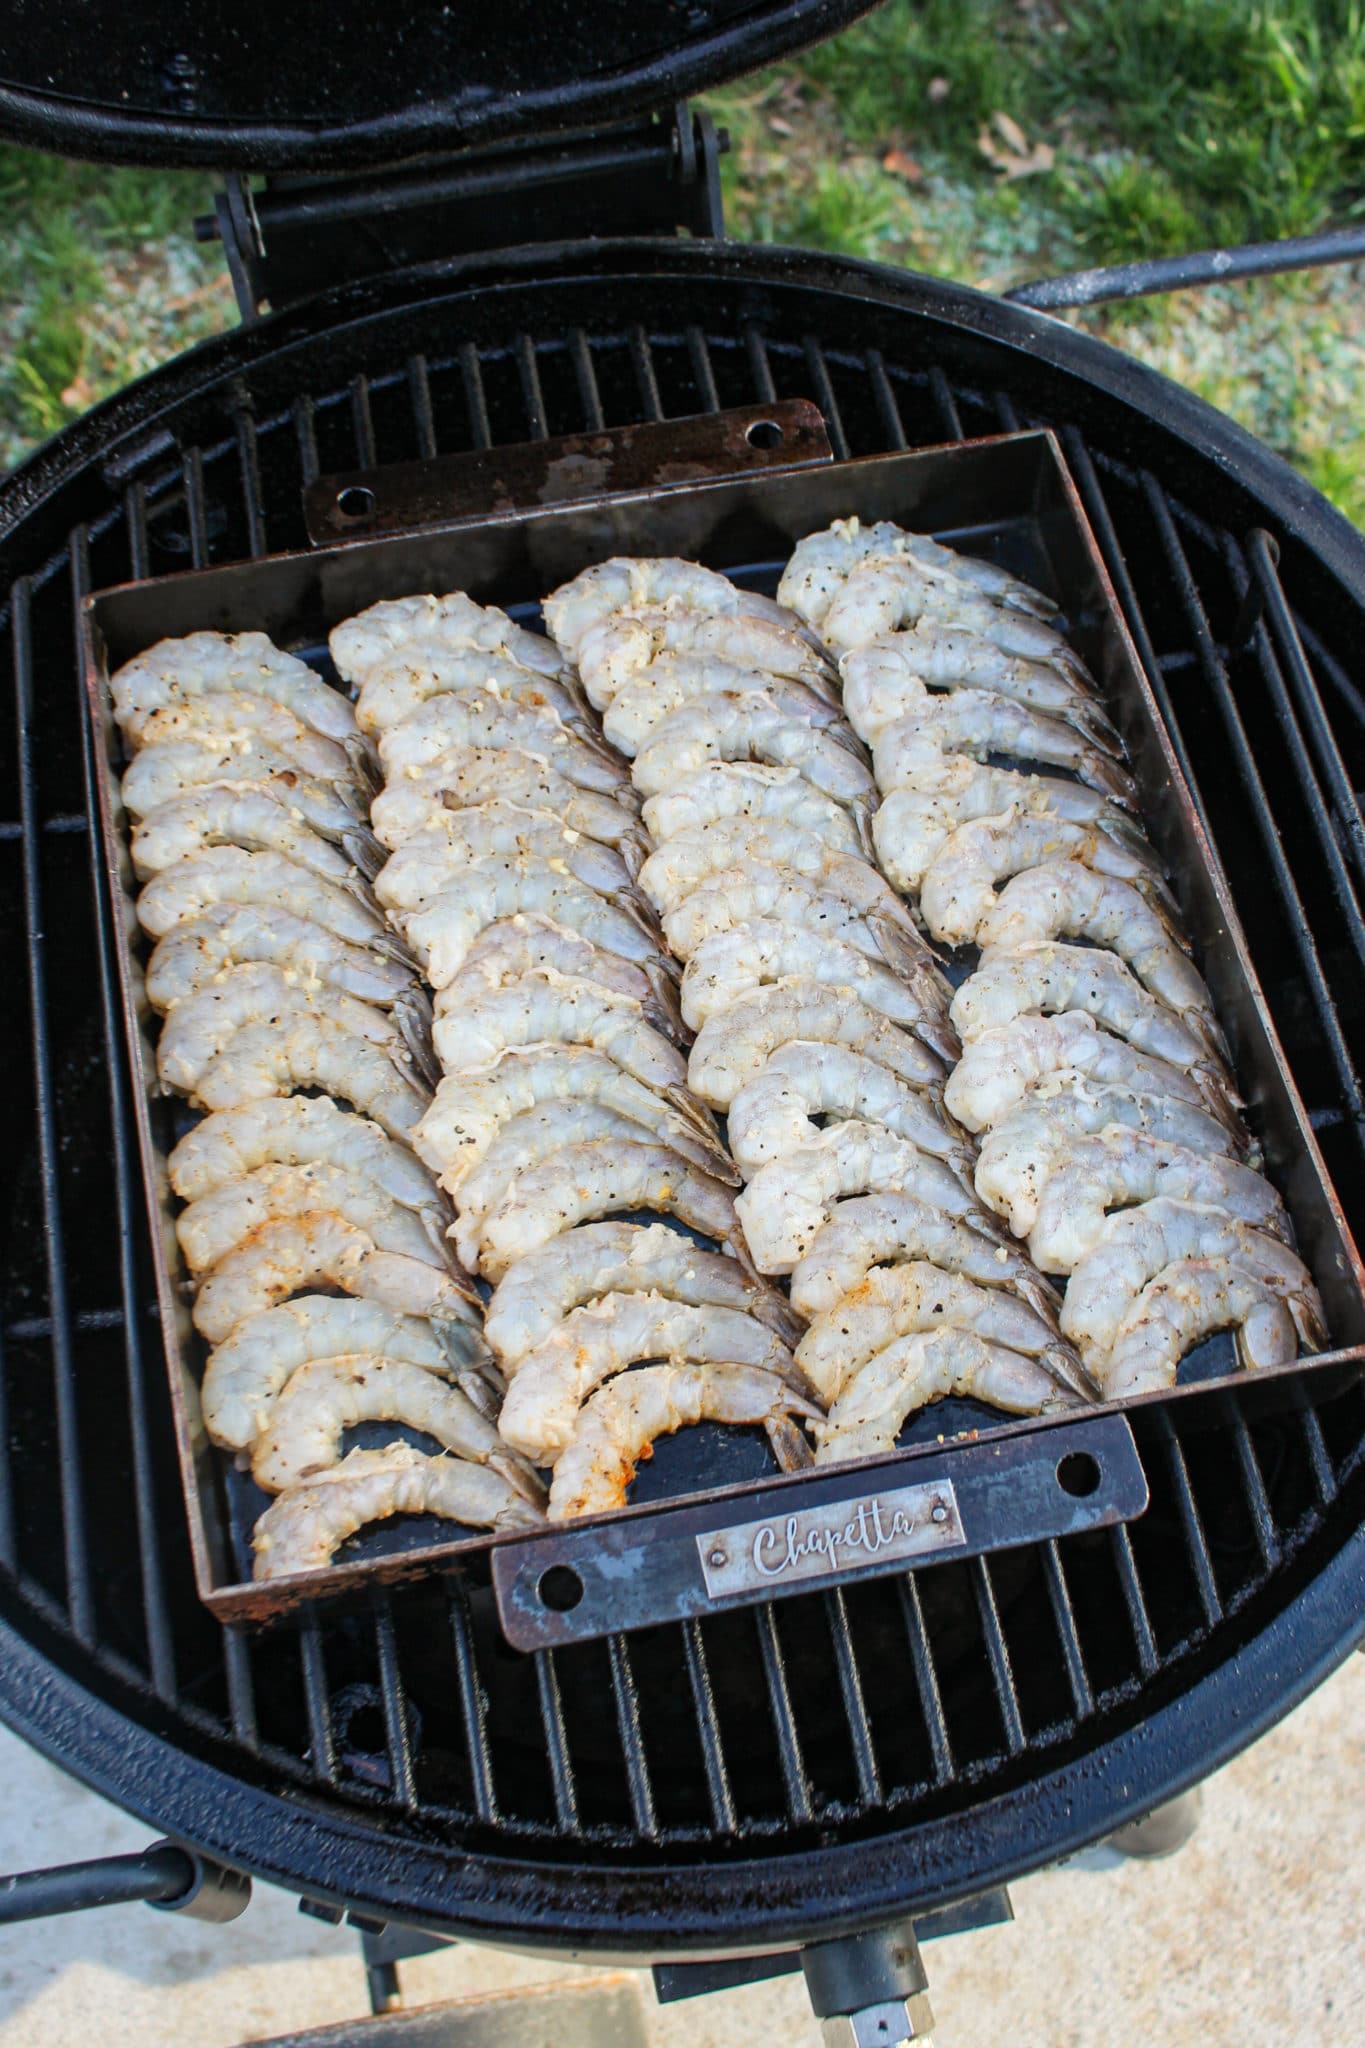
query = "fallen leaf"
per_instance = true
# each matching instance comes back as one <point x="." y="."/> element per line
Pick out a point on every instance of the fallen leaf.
<point x="77" y="393"/>
<point x="778" y="125"/>
<point x="1014" y="136"/>
<point x="1006" y="148"/>
<point x="939" y="89"/>
<point x="903" y="166"/>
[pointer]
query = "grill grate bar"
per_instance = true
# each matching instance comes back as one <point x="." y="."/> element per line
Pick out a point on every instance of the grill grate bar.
<point x="472" y="1710"/>
<point x="532" y="395"/>
<point x="155" y="1611"/>
<point x="627" y="1700"/>
<point x="396" y="1736"/>
<point x="718" y="1790"/>
<point x="851" y="1688"/>
<point x="557" y="1741"/>
<point x="926" y="1679"/>
<point x="241" y="1687"/>
<point x="419" y="398"/>
<point x="25" y="1327"/>
<point x="998" y="1655"/>
<point x="760" y="369"/>
<point x="249" y="469"/>
<point x="306" y="435"/>
<point x="1319" y="1457"/>
<point x="646" y="377"/>
<point x="64" y="821"/>
<point x="704" y="376"/>
<point x="75" y="1547"/>
<point x="1006" y="413"/>
<point x="585" y="370"/>
<point x="784" y="1720"/>
<point x="1143" y="1639"/>
<point x="1253" y="1483"/>
<point x="945" y="405"/>
<point x="313" y="1664"/>
<point x="1196" y="1543"/>
<point x="1059" y="1593"/>
<point x="135" y="524"/>
<point x="828" y="403"/>
<point x="888" y="406"/>
<point x="192" y="470"/>
<point x="475" y="398"/>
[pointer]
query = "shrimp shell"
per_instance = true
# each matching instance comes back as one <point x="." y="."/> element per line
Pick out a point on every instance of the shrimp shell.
<point x="757" y="888"/>
<point x="944" y="657"/>
<point x="226" y="874"/>
<point x="876" y="1230"/>
<point x="958" y="893"/>
<point x="478" y="719"/>
<point x="749" y="726"/>
<point x="556" y="1009"/>
<point x="789" y="1200"/>
<point x="199" y="951"/>
<point x="1137" y="1245"/>
<point x="287" y="1256"/>
<point x="1117" y="1168"/>
<point x="901" y="1301"/>
<point x="296" y="1130"/>
<point x="1187" y="1302"/>
<point x="235" y="718"/>
<point x="468" y="1110"/>
<point x="774" y="1113"/>
<point x="224" y="814"/>
<point x="466" y="778"/>
<point x="419" y="671"/>
<point x="244" y="1375"/>
<point x="883" y="596"/>
<point x="751" y="789"/>
<point x="176" y="671"/>
<point x="198" y="1029"/>
<point x="453" y="624"/>
<point x="919" y="1369"/>
<point x="487" y="891"/>
<point x="821" y="563"/>
<point x="328" y="1396"/>
<point x="731" y="1047"/>
<point x="980" y="723"/>
<point x="913" y="825"/>
<point x="998" y="1069"/>
<point x="624" y="582"/>
<point x="614" y="654"/>
<point x="158" y="775"/>
<point x="303" y="1529"/>
<point x="216" y="1224"/>
<point x="730" y="965"/>
<point x="591" y="1345"/>
<point x="651" y="695"/>
<point x="522" y="945"/>
<point x="312" y="1051"/>
<point x="596" y="1179"/>
<point x="1048" y="977"/>
<point x="429" y="860"/>
<point x="700" y="857"/>
<point x="617" y="1426"/>
<point x="582" y="1265"/>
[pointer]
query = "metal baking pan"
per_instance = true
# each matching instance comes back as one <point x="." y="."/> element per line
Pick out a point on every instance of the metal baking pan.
<point x="737" y="508"/>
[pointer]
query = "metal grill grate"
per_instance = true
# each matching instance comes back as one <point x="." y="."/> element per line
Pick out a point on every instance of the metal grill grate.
<point x="858" y="1711"/>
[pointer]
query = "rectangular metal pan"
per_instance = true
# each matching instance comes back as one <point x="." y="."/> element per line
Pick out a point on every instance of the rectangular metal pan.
<point x="1010" y="499"/>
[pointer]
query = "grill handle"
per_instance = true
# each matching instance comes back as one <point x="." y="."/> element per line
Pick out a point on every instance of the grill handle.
<point x="173" y="1879"/>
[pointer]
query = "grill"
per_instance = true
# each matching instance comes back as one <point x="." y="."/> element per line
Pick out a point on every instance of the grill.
<point x="781" y="1772"/>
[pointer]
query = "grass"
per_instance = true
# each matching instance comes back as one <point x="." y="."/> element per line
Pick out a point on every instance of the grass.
<point x="987" y="140"/>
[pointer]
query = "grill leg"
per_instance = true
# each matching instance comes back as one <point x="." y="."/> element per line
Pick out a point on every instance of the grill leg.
<point x="1163" y="1832"/>
<point x="870" y="1990"/>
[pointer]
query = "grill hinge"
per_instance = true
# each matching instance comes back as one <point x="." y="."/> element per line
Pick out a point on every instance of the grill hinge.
<point x="294" y="237"/>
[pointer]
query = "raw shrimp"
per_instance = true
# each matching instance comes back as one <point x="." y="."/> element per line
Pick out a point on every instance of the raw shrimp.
<point x="774" y="1113"/>
<point x="749" y="725"/>
<point x="452" y="623"/>
<point x="731" y="964"/>
<point x="759" y="889"/>
<point x="198" y="1029"/>
<point x="175" y="671"/>
<point x="878" y="1230"/>
<point x="980" y="723"/>
<point x="731" y="1048"/>
<point x="698" y="858"/>
<point x="900" y="1301"/>
<point x="297" y="1130"/>
<point x="558" y="1010"/>
<point x="915" y="1370"/>
<point x="225" y="814"/>
<point x="883" y="596"/>
<point x="1117" y="1168"/>
<point x="288" y="1256"/>
<point x="912" y="826"/>
<point x="958" y="892"/>
<point x="617" y="1428"/>
<point x="487" y="891"/>
<point x="591" y="1345"/>
<point x="226" y="874"/>
<point x="582" y="1265"/>
<point x="312" y="1051"/>
<point x="1187" y="1302"/>
<point x="1065" y="898"/>
<point x="216" y="1224"/>
<point x="467" y="777"/>
<point x="522" y="945"/>
<point x="615" y="653"/>
<point x="599" y="1178"/>
<point x="200" y="950"/>
<point x="244" y="1375"/>
<point x="477" y="719"/>
<point x="304" y="1528"/>
<point x="426" y="863"/>
<point x="233" y="718"/>
<point x="623" y="582"/>
<point x="653" y="694"/>
<point x="468" y="1110"/>
<point x="751" y="789"/>
<point x="160" y="774"/>
<point x="1048" y="977"/>
<point x="418" y="672"/>
<point x="788" y="1201"/>
<point x="328" y="1396"/>
<point x="1018" y="1154"/>
<point x="998" y="1069"/>
<point x="1137" y="1245"/>
<point x="820" y="565"/>
<point x="941" y="657"/>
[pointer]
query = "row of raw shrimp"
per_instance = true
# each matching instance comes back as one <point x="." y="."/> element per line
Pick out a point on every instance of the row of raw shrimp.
<point x="1096" y="1072"/>
<point x="513" y="841"/>
<point x="821" y="1015"/>
<point x="315" y="1239"/>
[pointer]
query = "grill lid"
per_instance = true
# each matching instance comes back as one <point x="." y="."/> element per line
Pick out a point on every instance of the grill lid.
<point x="302" y="85"/>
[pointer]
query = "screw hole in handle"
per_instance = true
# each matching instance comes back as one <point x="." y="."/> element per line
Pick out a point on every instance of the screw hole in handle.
<point x="560" y="1589"/>
<point x="1078" y="1474"/>
<point x="355" y="501"/>
<point x="764" y="434"/>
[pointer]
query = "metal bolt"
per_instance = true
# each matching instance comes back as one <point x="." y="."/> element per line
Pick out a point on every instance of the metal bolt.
<point x="938" y="1513"/>
<point x="718" y="1556"/>
<point x="891" y="2025"/>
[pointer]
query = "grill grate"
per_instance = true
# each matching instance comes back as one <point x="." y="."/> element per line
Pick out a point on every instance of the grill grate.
<point x="893" y="1700"/>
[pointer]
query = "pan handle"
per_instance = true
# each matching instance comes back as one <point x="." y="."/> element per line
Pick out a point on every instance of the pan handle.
<point x="829" y="1527"/>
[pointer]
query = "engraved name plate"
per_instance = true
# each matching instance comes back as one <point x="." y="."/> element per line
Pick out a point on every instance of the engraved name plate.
<point x="904" y="1521"/>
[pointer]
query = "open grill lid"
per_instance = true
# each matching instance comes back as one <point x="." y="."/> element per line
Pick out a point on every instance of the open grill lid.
<point x="300" y="85"/>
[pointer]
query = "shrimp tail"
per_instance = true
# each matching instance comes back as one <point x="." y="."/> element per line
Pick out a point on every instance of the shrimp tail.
<point x="678" y="1097"/>
<point x="862" y="813"/>
<point x="364" y="764"/>
<point x="1066" y="1368"/>
<point x="1038" y="1292"/>
<point x="360" y="846"/>
<point x="634" y="849"/>
<point x="1111" y="780"/>
<point x="412" y="1014"/>
<point x="776" y="1313"/>
<point x="1307" y="1313"/>
<point x="739" y="1245"/>
<point x="935" y="1031"/>
<point x="521" y="1475"/>
<point x="790" y="1445"/>
<point x="913" y="960"/>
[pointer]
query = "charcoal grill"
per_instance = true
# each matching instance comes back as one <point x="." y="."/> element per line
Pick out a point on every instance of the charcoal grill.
<point x="777" y="1774"/>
